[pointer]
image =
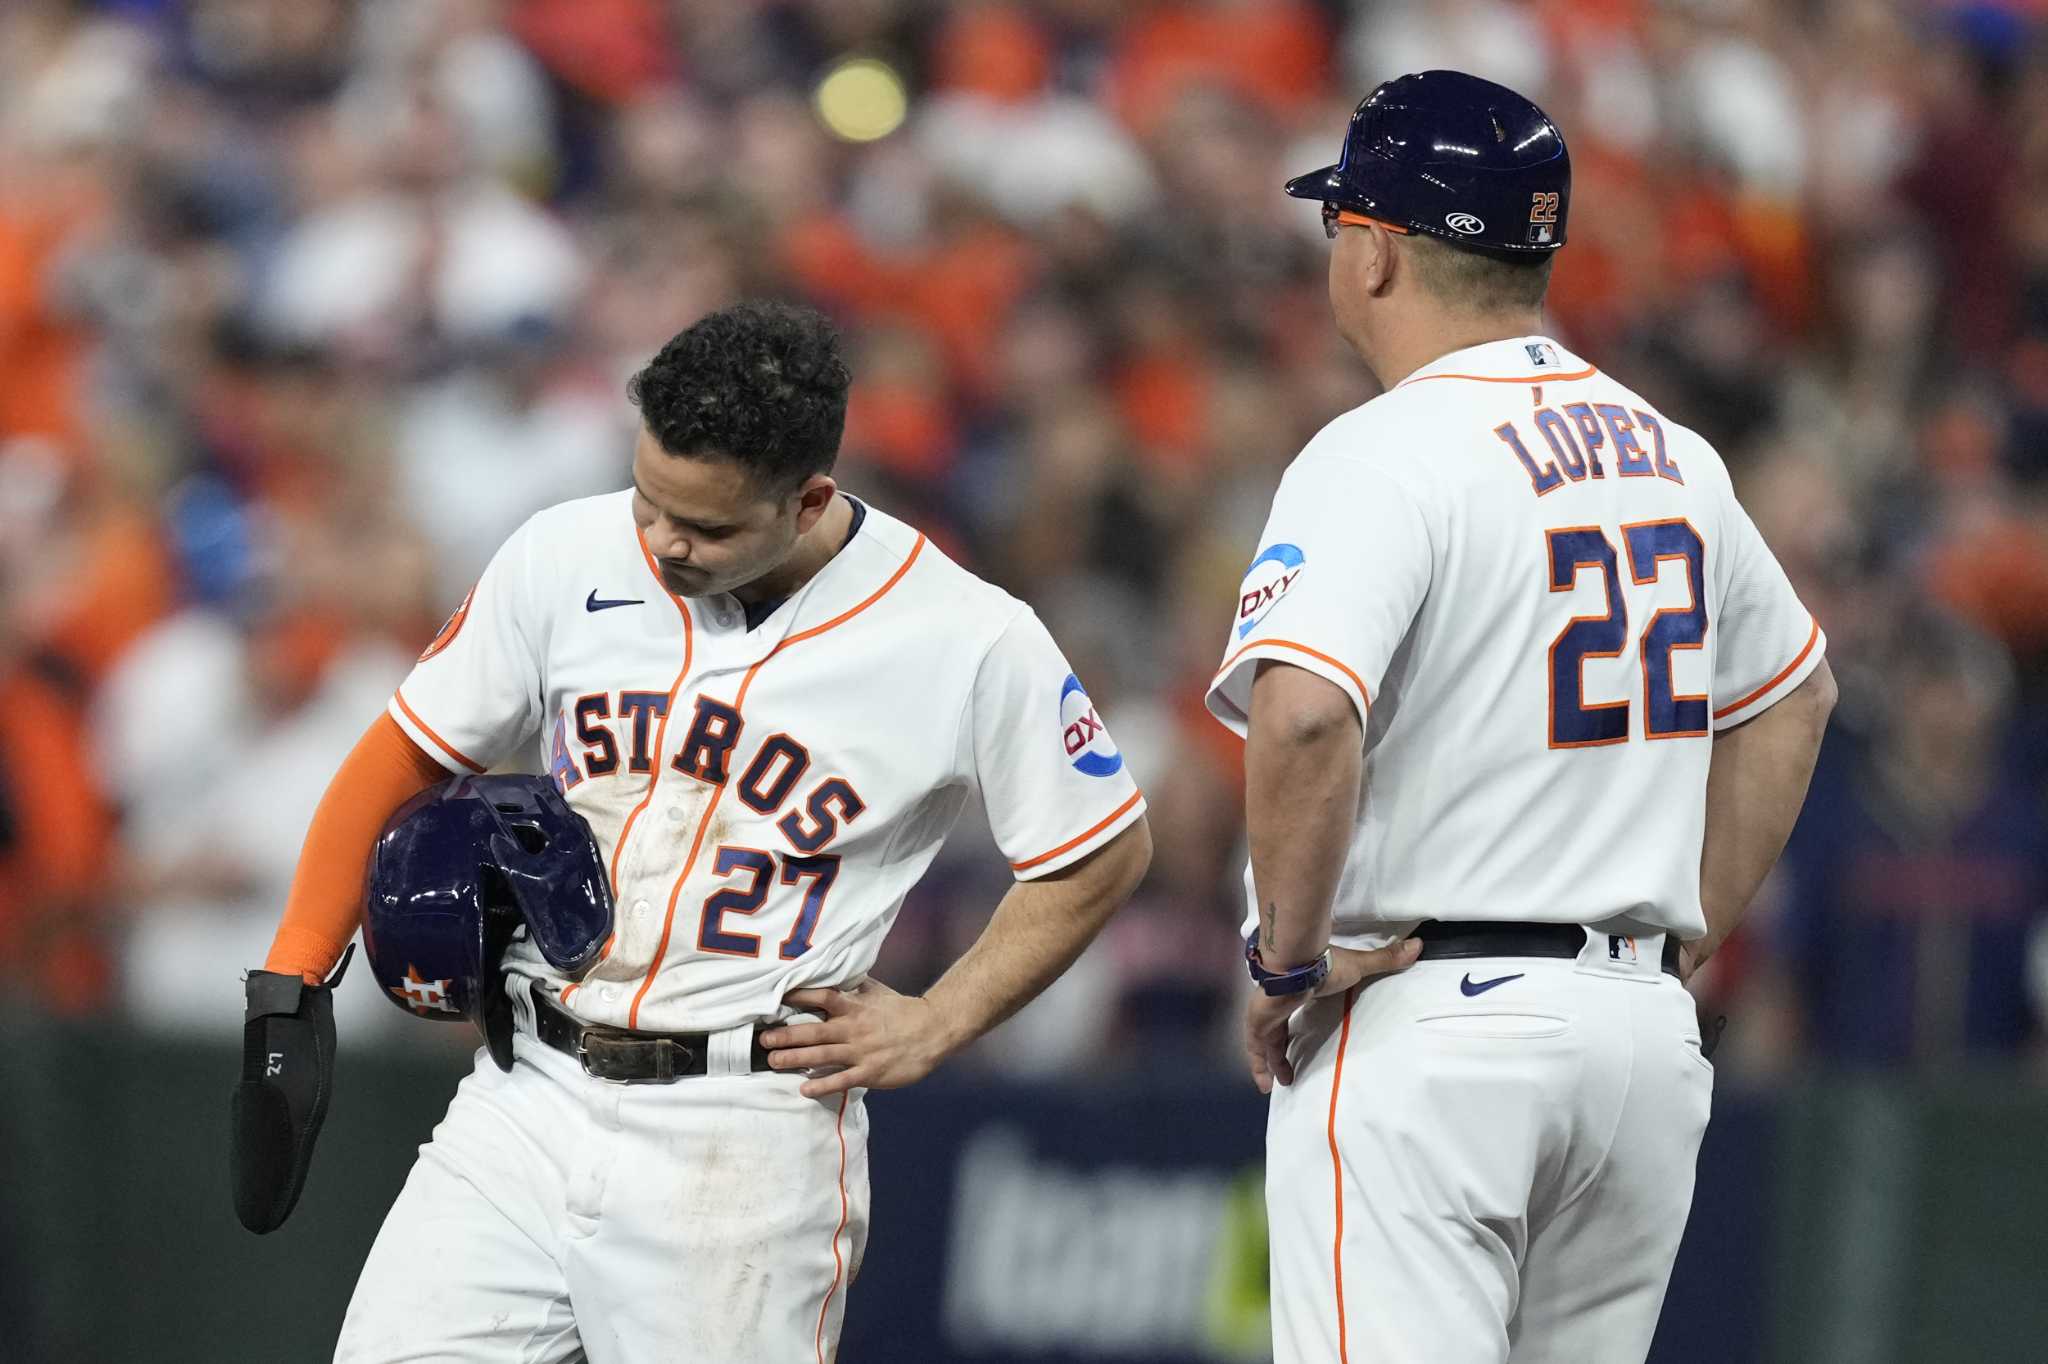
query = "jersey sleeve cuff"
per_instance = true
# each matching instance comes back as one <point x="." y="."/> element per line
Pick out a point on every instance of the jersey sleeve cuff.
<point x="1230" y="693"/>
<point x="421" y="733"/>
<point x="1755" y="703"/>
<point x="1083" y="843"/>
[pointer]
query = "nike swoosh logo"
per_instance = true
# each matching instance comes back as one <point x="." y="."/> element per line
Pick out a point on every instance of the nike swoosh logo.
<point x="596" y="603"/>
<point x="1480" y="987"/>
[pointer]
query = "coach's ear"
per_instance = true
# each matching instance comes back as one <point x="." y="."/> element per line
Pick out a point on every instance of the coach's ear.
<point x="1386" y="260"/>
<point x="1368" y="257"/>
<point x="287" y="1079"/>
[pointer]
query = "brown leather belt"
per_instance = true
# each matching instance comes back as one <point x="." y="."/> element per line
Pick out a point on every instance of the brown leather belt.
<point x="623" y="1055"/>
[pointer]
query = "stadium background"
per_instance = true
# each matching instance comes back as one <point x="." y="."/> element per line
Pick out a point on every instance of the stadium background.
<point x="304" y="304"/>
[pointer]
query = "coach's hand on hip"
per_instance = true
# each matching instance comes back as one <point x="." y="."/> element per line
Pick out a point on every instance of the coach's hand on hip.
<point x="1265" y="1018"/>
<point x="877" y="1038"/>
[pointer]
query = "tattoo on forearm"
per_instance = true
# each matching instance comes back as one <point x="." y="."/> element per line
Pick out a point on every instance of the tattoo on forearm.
<point x="1270" y="939"/>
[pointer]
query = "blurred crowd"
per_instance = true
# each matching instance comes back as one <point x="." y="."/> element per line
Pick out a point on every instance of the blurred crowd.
<point x="305" y="304"/>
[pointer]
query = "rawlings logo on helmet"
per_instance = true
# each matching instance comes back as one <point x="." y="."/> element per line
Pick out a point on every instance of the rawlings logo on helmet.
<point x="1464" y="223"/>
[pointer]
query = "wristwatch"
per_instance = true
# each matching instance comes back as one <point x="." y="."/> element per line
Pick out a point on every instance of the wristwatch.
<point x="1300" y="980"/>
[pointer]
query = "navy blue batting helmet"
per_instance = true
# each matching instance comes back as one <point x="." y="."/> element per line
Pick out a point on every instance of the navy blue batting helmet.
<point x="1455" y="157"/>
<point x="462" y="869"/>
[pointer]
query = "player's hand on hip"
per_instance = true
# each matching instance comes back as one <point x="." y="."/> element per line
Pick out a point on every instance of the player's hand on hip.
<point x="1265" y="1037"/>
<point x="872" y="1038"/>
<point x="1265" y="1020"/>
<point x="1349" y="968"/>
<point x="1691" y="957"/>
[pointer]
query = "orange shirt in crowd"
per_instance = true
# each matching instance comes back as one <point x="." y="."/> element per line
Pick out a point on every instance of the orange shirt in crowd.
<point x="1274" y="54"/>
<point x="39" y="355"/>
<point x="56" y="845"/>
<point x="125" y="583"/>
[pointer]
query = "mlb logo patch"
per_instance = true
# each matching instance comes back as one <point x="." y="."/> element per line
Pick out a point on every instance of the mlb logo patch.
<point x="1542" y="353"/>
<point x="1540" y="234"/>
<point x="1620" y="947"/>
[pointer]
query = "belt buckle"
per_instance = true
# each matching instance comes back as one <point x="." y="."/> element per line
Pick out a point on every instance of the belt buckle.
<point x="669" y="1056"/>
<point x="582" y="1053"/>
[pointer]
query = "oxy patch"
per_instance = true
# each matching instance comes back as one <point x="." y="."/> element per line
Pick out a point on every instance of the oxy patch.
<point x="1089" y="747"/>
<point x="1271" y="575"/>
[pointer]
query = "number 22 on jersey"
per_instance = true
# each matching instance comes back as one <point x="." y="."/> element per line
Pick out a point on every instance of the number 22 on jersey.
<point x="1576" y="722"/>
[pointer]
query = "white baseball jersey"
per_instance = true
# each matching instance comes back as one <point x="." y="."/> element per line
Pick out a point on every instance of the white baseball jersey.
<point x="1543" y="598"/>
<point x="763" y="797"/>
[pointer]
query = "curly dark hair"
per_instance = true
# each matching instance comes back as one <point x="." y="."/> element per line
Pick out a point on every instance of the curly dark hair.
<point x="759" y="382"/>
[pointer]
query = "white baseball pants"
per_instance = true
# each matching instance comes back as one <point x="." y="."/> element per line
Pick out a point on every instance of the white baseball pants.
<point x="554" y="1217"/>
<point x="1471" y="1178"/>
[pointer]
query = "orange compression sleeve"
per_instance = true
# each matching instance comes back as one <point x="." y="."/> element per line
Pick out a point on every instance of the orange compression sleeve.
<point x="379" y="774"/>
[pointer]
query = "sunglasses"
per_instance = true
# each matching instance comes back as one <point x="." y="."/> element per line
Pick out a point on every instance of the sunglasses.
<point x="1335" y="217"/>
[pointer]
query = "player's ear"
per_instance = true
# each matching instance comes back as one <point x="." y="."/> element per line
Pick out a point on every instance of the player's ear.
<point x="813" y="496"/>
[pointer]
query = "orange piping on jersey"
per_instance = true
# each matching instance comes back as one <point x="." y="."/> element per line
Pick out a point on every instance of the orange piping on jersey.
<point x="838" y="1266"/>
<point x="1790" y="668"/>
<point x="851" y="611"/>
<point x="1078" y="839"/>
<point x="1586" y="373"/>
<point x="1337" y="1176"/>
<point x="1229" y="662"/>
<point x="711" y="806"/>
<point x="661" y="729"/>
<point x="660" y="734"/>
<point x="428" y="730"/>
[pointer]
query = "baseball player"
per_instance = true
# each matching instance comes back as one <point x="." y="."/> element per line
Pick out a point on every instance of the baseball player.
<point x="769" y="701"/>
<point x="1529" y="710"/>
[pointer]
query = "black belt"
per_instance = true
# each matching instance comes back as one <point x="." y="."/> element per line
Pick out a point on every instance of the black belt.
<point x="623" y="1055"/>
<point x="1443" y="941"/>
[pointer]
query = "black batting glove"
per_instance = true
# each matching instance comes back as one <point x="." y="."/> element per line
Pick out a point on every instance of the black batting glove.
<point x="287" y="1079"/>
